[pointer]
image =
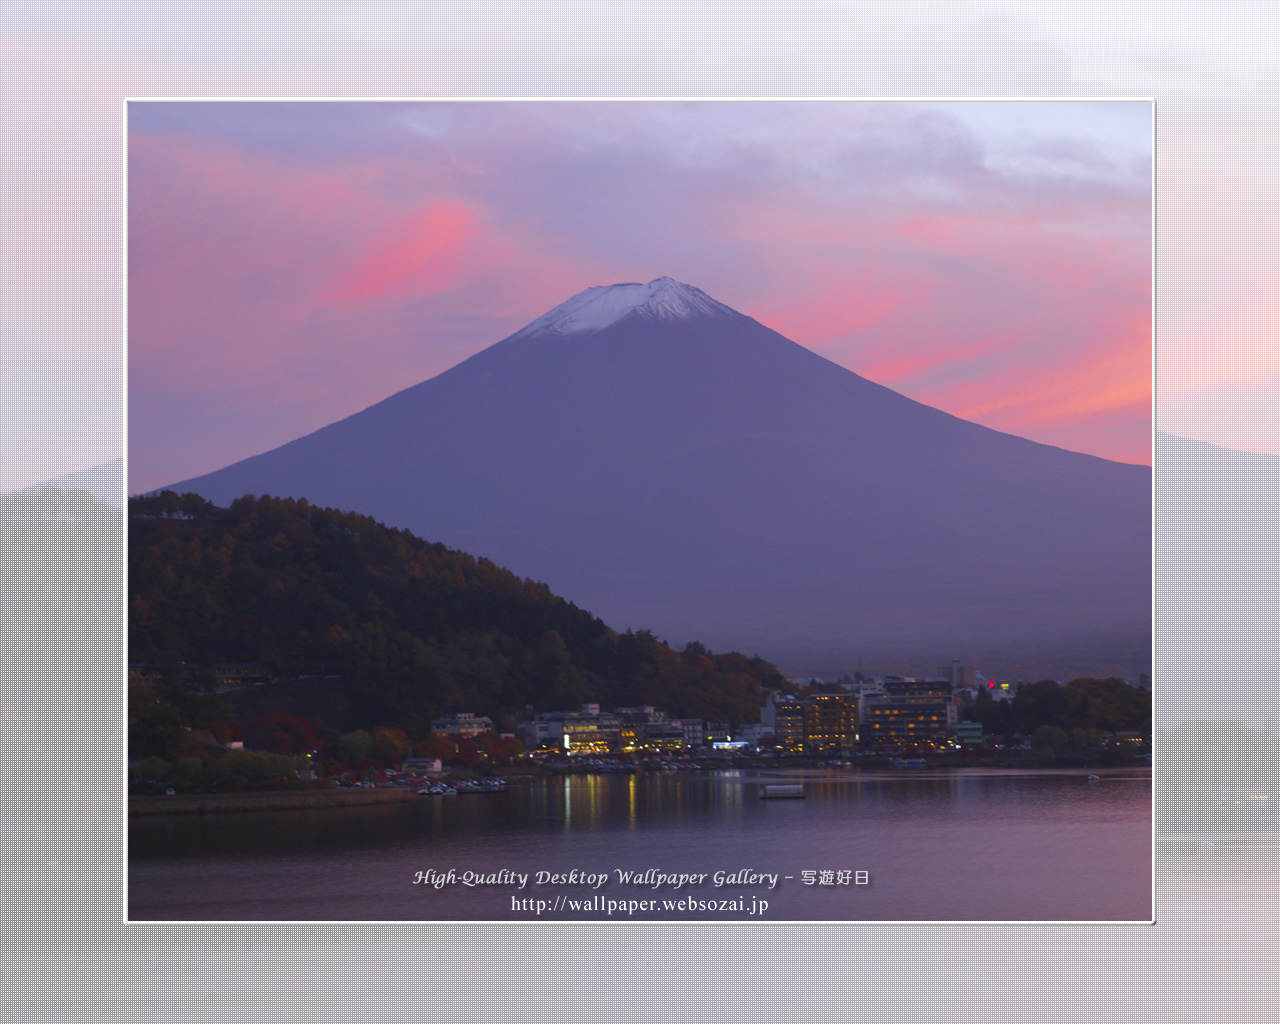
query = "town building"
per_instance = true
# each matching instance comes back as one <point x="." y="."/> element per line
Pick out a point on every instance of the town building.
<point x="637" y="724"/>
<point x="788" y="724"/>
<point x="959" y="676"/>
<point x="866" y="691"/>
<point x="692" y="728"/>
<point x="667" y="737"/>
<point x="754" y="733"/>
<point x="830" y="722"/>
<point x="910" y="711"/>
<point x="588" y="731"/>
<point x="824" y="721"/>
<point x="463" y="724"/>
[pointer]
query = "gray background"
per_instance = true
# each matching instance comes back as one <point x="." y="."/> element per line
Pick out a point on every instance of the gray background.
<point x="64" y="72"/>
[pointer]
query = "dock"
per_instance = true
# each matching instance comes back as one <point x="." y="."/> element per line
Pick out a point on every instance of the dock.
<point x="782" y="793"/>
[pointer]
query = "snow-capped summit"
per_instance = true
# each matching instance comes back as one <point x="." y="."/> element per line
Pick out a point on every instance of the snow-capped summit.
<point x="604" y="305"/>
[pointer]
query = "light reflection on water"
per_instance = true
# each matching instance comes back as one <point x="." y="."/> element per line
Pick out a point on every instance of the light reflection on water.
<point x="959" y="845"/>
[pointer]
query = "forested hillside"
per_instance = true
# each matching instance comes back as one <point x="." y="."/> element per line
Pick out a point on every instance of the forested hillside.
<point x="364" y="626"/>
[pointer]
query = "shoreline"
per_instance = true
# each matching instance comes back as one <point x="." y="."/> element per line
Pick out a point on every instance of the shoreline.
<point x="266" y="800"/>
<point x="319" y="798"/>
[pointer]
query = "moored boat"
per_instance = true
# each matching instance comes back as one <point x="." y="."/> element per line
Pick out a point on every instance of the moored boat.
<point x="782" y="793"/>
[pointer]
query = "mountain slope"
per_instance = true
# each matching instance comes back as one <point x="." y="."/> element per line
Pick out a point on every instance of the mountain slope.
<point x="1220" y="555"/>
<point x="104" y="481"/>
<point x="672" y="464"/>
<point x="377" y="626"/>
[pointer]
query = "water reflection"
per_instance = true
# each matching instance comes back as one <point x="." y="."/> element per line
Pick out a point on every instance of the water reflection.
<point x="1062" y="848"/>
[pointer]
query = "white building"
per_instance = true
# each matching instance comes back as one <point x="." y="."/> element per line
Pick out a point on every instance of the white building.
<point x="464" y="724"/>
<point x="753" y="733"/>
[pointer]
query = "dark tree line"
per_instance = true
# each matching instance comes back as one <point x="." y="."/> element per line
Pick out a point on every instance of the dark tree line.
<point x="1081" y="708"/>
<point x="366" y="625"/>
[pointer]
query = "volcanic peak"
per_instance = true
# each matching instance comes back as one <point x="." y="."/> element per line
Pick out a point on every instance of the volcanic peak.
<point x="604" y="305"/>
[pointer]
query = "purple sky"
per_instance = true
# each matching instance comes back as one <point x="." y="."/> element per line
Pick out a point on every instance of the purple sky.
<point x="293" y="263"/>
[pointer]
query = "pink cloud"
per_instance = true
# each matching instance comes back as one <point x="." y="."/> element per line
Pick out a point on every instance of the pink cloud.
<point x="1036" y="324"/>
<point x="280" y="296"/>
<point x="313" y="282"/>
<point x="235" y="257"/>
<point x="1110" y="381"/>
<point x="885" y="367"/>
<point x="830" y="309"/>
<point x="221" y="244"/>
<point x="419" y="257"/>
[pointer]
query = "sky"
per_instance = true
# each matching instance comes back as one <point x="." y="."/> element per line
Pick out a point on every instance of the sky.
<point x="1212" y="68"/>
<point x="290" y="264"/>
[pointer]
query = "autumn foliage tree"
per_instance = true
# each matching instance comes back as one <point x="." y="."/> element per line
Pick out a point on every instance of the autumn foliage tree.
<point x="390" y="746"/>
<point x="285" y="734"/>
<point x="436" y="745"/>
<point x="365" y="626"/>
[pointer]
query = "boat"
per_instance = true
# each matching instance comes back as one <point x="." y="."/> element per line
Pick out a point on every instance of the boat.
<point x="782" y="793"/>
<point x="481" y="786"/>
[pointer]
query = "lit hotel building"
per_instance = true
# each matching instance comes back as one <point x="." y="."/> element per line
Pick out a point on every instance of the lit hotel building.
<point x="911" y="711"/>
<point x="830" y="722"/>
<point x="588" y="731"/>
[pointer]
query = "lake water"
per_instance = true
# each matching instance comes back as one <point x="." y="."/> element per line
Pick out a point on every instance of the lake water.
<point x="957" y="845"/>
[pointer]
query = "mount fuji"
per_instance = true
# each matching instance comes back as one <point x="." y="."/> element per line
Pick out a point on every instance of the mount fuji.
<point x="671" y="464"/>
